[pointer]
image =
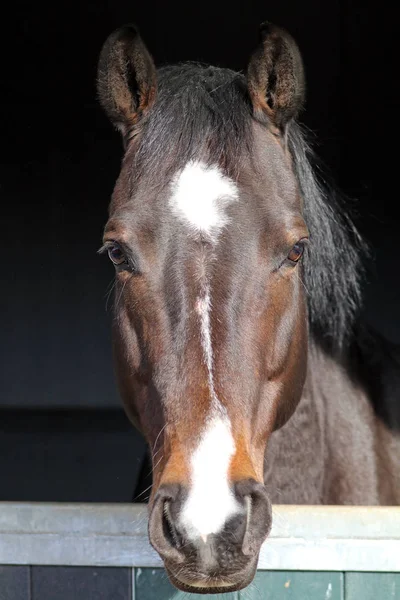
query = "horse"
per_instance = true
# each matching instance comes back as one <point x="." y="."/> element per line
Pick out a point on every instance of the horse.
<point x="240" y="348"/>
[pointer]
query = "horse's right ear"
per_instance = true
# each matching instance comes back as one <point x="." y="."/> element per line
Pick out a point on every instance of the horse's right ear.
<point x="275" y="76"/>
<point x="126" y="79"/>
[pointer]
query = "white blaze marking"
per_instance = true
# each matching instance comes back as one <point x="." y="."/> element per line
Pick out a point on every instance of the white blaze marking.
<point x="200" y="195"/>
<point x="210" y="502"/>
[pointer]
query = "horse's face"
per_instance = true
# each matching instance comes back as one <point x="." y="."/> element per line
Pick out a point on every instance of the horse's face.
<point x="210" y="330"/>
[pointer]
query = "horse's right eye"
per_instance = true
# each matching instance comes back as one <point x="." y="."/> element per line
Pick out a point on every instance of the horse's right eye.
<point x="116" y="254"/>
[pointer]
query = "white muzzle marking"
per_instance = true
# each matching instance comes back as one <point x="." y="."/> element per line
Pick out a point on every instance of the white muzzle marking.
<point x="210" y="502"/>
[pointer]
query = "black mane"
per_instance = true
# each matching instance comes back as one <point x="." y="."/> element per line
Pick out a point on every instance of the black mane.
<point x="333" y="270"/>
<point x="214" y="114"/>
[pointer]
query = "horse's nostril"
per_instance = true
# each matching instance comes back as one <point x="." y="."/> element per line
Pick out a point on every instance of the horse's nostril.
<point x="248" y="506"/>
<point x="170" y="531"/>
<point x="258" y="515"/>
<point x="163" y="534"/>
<point x="257" y="510"/>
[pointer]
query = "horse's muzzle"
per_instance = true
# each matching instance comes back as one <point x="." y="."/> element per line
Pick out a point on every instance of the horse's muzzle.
<point x="221" y="562"/>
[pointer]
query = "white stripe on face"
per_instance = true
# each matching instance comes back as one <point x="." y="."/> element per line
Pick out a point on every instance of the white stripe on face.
<point x="199" y="196"/>
<point x="203" y="308"/>
<point x="210" y="502"/>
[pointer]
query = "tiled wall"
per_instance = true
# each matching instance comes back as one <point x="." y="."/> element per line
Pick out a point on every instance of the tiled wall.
<point x="109" y="583"/>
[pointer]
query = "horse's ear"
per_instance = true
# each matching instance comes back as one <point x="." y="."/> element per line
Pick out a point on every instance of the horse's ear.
<point x="275" y="76"/>
<point x="126" y="78"/>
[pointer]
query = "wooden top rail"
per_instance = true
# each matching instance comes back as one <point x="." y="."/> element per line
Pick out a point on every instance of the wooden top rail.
<point x="314" y="538"/>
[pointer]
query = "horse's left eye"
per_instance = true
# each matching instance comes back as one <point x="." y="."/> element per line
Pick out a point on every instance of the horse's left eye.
<point x="116" y="254"/>
<point x="296" y="252"/>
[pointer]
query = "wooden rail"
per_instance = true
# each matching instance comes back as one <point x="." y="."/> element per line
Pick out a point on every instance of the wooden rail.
<point x="316" y="538"/>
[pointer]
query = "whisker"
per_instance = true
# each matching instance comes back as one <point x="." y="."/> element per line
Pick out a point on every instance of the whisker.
<point x="122" y="291"/>
<point x="160" y="432"/>
<point x="156" y="465"/>
<point x="143" y="492"/>
<point x="109" y="292"/>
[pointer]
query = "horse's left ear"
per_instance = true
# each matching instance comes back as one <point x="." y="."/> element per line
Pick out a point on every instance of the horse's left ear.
<point x="126" y="78"/>
<point x="275" y="76"/>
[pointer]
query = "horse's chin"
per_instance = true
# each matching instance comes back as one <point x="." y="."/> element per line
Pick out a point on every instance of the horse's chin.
<point x="214" y="585"/>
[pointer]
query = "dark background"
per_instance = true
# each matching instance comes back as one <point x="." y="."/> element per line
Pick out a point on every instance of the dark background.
<point x="63" y="435"/>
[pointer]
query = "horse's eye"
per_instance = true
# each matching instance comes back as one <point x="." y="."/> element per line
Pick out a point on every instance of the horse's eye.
<point x="116" y="254"/>
<point x="296" y="252"/>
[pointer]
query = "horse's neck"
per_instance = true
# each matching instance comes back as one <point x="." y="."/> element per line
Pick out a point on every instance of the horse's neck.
<point x="326" y="453"/>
